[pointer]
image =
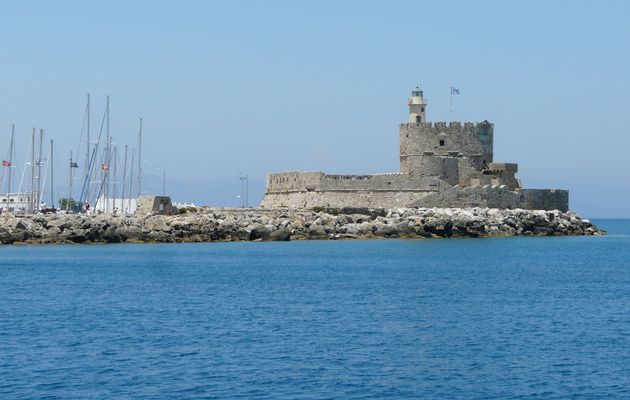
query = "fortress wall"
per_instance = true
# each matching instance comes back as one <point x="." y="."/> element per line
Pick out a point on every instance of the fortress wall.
<point x="468" y="139"/>
<point x="478" y="196"/>
<point x="437" y="167"/>
<point x="545" y="199"/>
<point x="396" y="181"/>
<point x="340" y="199"/>
<point x="465" y="171"/>
<point x="318" y="181"/>
<point x="437" y="193"/>
<point x="497" y="197"/>
<point x="286" y="182"/>
<point x="294" y="180"/>
<point x="456" y="197"/>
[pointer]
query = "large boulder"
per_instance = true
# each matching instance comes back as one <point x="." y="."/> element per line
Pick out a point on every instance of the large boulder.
<point x="280" y="235"/>
<point x="130" y="233"/>
<point x="259" y="232"/>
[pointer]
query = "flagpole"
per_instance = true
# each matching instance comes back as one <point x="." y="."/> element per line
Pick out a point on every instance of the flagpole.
<point x="450" y="112"/>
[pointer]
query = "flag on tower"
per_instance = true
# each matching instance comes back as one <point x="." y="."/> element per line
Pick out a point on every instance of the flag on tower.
<point x="105" y="167"/>
<point x="74" y="165"/>
<point x="454" y="90"/>
<point x="6" y="163"/>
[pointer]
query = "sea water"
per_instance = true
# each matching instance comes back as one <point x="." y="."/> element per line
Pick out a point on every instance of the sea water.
<point x="445" y="318"/>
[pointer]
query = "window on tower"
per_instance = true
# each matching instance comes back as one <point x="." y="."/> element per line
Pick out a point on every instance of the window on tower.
<point x="441" y="142"/>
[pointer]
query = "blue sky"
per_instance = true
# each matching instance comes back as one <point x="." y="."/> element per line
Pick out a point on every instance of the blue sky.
<point x="251" y="86"/>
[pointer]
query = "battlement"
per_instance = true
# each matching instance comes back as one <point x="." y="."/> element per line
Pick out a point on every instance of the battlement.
<point x="503" y="167"/>
<point x="447" y="125"/>
<point x="455" y="139"/>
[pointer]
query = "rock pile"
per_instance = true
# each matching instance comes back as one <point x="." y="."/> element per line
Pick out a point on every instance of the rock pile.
<point x="212" y="224"/>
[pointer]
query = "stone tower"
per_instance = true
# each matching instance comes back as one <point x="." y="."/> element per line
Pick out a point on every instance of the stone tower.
<point x="417" y="107"/>
<point x="444" y="150"/>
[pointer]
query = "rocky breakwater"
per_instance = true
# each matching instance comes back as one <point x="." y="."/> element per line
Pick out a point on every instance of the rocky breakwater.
<point x="208" y="224"/>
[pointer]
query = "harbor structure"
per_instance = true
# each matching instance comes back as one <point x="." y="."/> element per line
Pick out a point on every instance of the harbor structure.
<point x="441" y="165"/>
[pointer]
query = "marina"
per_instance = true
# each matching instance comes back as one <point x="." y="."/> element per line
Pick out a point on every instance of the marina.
<point x="107" y="181"/>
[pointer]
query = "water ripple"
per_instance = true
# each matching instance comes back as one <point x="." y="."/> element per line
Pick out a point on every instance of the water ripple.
<point x="483" y="319"/>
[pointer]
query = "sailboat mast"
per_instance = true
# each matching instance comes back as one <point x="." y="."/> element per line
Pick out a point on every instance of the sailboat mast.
<point x="87" y="153"/>
<point x="114" y="182"/>
<point x="52" y="175"/>
<point x="140" y="160"/>
<point x="11" y="156"/>
<point x="33" y="172"/>
<point x="69" y="185"/>
<point x="39" y="167"/>
<point x="124" y="180"/>
<point x="133" y="154"/>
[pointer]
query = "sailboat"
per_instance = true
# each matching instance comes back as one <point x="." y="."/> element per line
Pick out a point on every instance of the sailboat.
<point x="98" y="190"/>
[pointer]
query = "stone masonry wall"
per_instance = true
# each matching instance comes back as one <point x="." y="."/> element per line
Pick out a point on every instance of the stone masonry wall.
<point x="341" y="199"/>
<point x="474" y="141"/>
<point x="497" y="197"/>
<point x="456" y="197"/>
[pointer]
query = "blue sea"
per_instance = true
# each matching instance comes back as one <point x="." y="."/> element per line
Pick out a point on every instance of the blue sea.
<point x="500" y="318"/>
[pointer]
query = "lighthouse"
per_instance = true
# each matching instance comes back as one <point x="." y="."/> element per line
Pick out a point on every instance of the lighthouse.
<point x="417" y="107"/>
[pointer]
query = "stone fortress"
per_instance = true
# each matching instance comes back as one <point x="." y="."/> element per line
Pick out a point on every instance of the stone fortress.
<point x="441" y="165"/>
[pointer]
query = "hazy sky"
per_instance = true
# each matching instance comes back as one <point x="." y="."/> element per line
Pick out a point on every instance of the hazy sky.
<point x="256" y="86"/>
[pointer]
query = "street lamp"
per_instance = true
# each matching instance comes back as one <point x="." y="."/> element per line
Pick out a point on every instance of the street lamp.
<point x="244" y="190"/>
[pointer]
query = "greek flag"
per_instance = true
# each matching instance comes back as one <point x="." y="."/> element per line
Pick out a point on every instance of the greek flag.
<point x="454" y="90"/>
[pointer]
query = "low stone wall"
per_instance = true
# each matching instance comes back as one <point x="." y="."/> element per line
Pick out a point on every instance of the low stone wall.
<point x="497" y="197"/>
<point x="284" y="224"/>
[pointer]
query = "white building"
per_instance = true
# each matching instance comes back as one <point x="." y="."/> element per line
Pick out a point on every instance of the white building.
<point x="123" y="206"/>
<point x="16" y="203"/>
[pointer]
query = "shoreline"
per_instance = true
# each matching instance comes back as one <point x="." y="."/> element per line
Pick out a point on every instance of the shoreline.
<point x="254" y="224"/>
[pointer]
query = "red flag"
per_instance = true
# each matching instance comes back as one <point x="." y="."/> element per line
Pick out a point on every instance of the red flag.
<point x="6" y="163"/>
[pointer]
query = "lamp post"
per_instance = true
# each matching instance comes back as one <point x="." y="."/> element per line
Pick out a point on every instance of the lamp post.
<point x="243" y="179"/>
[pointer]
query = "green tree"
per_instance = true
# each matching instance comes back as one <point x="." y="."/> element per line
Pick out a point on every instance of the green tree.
<point x="65" y="202"/>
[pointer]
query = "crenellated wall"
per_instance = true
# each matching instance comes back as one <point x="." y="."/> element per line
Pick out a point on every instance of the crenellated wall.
<point x="294" y="180"/>
<point x="471" y="140"/>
